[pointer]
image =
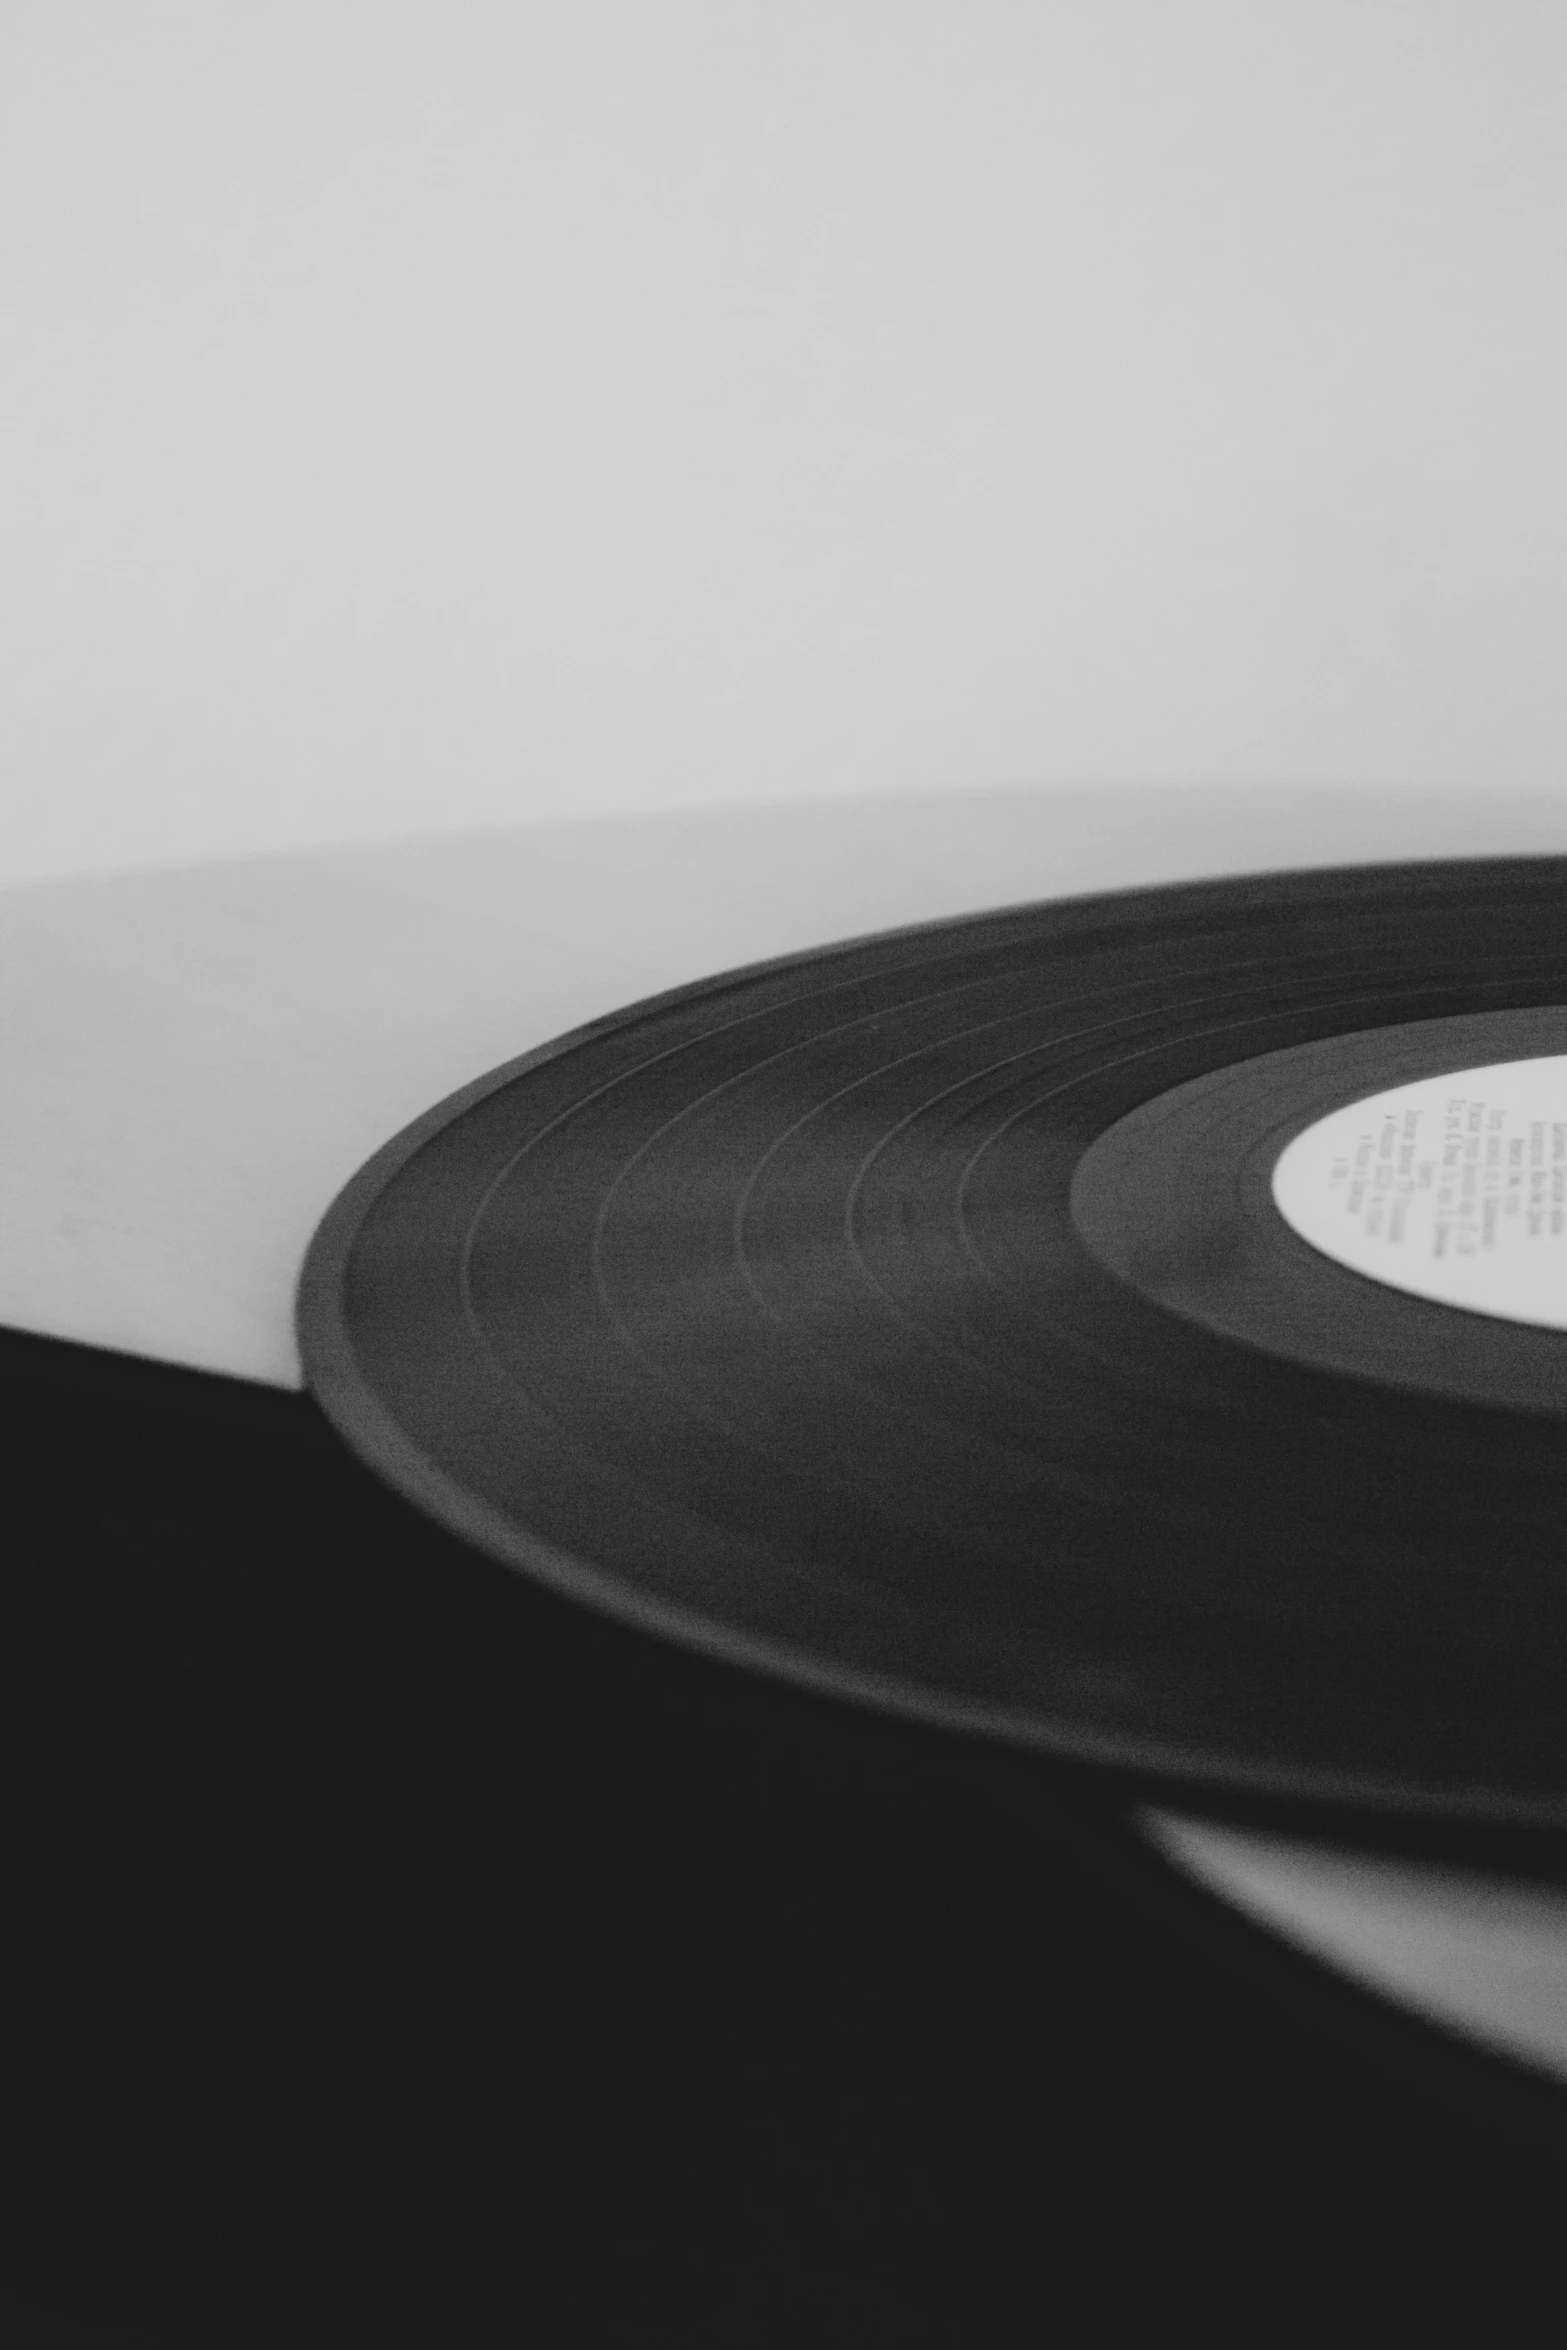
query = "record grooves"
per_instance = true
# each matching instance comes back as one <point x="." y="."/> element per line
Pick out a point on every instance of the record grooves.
<point x="778" y="1315"/>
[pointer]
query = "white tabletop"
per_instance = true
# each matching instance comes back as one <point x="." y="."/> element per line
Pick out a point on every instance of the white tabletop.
<point x="195" y="1059"/>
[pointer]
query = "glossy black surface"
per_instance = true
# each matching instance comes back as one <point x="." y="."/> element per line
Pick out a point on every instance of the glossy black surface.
<point x="761" y="1316"/>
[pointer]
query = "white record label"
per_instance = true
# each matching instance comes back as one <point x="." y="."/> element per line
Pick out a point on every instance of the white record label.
<point x="1453" y="1188"/>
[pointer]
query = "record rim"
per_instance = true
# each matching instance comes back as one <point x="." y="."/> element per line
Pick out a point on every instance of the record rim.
<point x="1155" y="1772"/>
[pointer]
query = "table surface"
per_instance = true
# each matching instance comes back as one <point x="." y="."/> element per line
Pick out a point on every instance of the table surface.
<point x="195" y="1059"/>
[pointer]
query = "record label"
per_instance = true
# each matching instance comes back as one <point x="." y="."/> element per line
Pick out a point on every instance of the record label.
<point x="1452" y="1188"/>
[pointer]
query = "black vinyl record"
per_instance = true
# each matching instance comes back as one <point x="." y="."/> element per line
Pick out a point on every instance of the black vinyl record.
<point x="913" y="1321"/>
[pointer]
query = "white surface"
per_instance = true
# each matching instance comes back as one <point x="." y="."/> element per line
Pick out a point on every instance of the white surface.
<point x="1478" y="1956"/>
<point x="462" y="411"/>
<point x="193" y="1061"/>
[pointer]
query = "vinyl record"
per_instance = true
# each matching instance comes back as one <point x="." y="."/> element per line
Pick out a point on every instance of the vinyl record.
<point x="917" y="1321"/>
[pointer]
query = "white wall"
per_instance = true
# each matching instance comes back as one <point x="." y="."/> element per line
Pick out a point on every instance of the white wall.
<point x="428" y="412"/>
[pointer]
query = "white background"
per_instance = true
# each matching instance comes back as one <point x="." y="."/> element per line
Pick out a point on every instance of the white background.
<point x="426" y="413"/>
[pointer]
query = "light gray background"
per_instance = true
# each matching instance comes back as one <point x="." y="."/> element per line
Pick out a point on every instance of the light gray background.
<point x="417" y="414"/>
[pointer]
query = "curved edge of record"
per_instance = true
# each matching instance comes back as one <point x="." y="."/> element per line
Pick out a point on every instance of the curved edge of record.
<point x="370" y="1432"/>
<point x="376" y="1439"/>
